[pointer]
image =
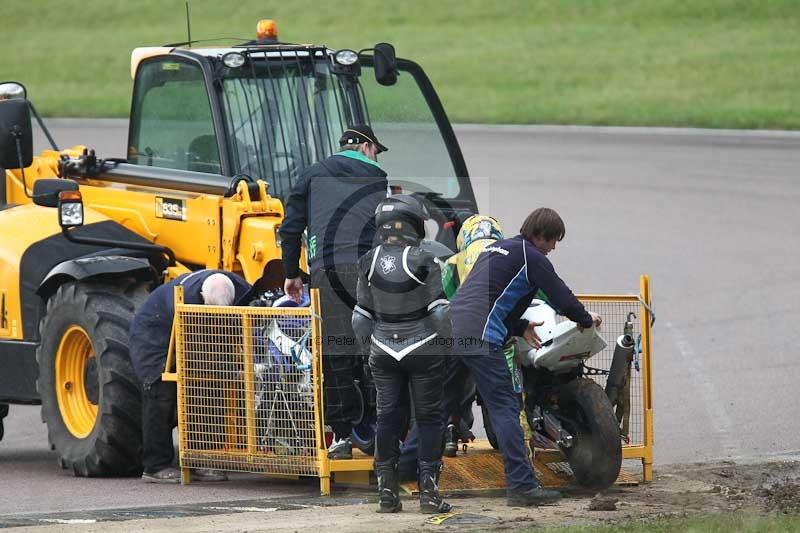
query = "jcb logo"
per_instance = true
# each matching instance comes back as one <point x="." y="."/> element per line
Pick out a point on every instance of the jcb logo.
<point x="171" y="208"/>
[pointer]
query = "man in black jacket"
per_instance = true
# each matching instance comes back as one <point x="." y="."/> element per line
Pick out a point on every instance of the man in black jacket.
<point x="335" y="201"/>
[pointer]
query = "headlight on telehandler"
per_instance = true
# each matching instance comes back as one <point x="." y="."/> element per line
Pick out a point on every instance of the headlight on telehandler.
<point x="346" y="57"/>
<point x="70" y="209"/>
<point x="233" y="60"/>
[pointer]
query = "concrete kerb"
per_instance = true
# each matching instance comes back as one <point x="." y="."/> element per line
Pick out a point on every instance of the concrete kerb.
<point x="623" y="130"/>
<point x="511" y="128"/>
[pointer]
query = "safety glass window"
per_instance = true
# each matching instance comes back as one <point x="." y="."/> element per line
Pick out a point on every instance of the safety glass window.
<point x="418" y="159"/>
<point x="172" y="123"/>
<point x="283" y="116"/>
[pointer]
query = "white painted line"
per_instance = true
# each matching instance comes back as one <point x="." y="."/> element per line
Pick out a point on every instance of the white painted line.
<point x="243" y="509"/>
<point x="68" y="520"/>
<point x="721" y="424"/>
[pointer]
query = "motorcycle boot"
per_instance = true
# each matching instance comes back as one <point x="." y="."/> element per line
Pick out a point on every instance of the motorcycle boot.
<point x="341" y="448"/>
<point x="536" y="495"/>
<point x="430" y="501"/>
<point x="450" y="441"/>
<point x="388" y="487"/>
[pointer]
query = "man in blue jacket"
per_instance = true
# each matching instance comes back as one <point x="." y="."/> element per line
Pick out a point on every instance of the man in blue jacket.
<point x="335" y="201"/>
<point x="487" y="309"/>
<point x="149" y="341"/>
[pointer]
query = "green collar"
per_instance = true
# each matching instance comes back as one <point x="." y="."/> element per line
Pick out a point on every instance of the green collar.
<point x="352" y="154"/>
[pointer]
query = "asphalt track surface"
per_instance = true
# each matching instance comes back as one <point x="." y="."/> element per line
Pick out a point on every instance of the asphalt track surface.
<point x="712" y="217"/>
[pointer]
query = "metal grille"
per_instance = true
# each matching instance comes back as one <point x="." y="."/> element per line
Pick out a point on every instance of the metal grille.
<point x="247" y="385"/>
<point x="615" y="313"/>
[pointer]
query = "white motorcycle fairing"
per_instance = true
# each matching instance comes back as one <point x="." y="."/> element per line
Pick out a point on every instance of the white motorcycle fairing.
<point x="563" y="345"/>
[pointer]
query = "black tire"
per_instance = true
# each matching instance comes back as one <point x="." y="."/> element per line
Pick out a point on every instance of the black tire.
<point x="110" y="443"/>
<point x="596" y="454"/>
<point x="487" y="426"/>
<point x="3" y="414"/>
<point x="363" y="437"/>
<point x="363" y="432"/>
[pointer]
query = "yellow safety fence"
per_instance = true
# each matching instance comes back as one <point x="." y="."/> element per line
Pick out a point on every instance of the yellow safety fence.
<point x="615" y="311"/>
<point x="250" y="387"/>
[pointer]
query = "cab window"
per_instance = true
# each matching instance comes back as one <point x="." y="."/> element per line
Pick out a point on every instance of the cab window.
<point x="171" y="121"/>
<point x="418" y="159"/>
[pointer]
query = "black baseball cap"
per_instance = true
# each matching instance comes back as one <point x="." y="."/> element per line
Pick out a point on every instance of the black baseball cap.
<point x="361" y="133"/>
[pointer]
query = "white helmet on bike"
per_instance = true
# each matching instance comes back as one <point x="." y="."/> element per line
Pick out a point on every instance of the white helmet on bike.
<point x="564" y="346"/>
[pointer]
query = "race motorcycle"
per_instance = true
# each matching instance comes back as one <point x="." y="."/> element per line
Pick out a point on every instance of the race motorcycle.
<point x="565" y="409"/>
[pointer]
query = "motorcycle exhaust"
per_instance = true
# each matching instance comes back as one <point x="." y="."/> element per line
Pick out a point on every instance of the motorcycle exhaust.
<point x="620" y="364"/>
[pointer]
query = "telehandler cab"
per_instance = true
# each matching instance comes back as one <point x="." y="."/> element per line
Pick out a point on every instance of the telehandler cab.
<point x="217" y="139"/>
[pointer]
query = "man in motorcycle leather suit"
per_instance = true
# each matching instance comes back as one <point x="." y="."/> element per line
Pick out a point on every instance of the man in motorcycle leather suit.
<point x="476" y="233"/>
<point x="402" y="313"/>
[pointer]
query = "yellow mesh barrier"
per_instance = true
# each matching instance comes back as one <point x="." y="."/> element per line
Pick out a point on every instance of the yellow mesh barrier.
<point x="250" y="387"/>
<point x="614" y="315"/>
<point x="615" y="310"/>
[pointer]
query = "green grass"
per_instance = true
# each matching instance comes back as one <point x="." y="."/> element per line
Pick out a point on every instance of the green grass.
<point x="738" y="522"/>
<point x="705" y="63"/>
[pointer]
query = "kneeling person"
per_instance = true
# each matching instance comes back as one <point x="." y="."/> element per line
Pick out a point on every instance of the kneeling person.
<point x="401" y="308"/>
<point x="149" y="343"/>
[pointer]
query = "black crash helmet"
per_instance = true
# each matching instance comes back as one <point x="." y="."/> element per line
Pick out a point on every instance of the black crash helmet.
<point x="401" y="216"/>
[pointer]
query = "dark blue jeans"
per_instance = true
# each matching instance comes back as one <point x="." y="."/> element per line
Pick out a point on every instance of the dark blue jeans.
<point x="159" y="416"/>
<point x="487" y="363"/>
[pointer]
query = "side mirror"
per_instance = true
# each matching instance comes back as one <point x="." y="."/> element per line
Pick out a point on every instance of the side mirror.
<point x="46" y="191"/>
<point x="385" y="64"/>
<point x="15" y="129"/>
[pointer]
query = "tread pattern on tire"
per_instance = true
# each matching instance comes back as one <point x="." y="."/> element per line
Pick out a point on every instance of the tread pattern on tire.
<point x="596" y="456"/>
<point x="104" y="310"/>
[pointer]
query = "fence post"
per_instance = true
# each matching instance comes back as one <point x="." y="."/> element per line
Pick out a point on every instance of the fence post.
<point x="324" y="466"/>
<point x="176" y="348"/>
<point x="249" y="383"/>
<point x="647" y="372"/>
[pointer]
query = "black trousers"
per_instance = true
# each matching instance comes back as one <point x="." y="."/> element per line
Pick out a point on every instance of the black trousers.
<point x="422" y="373"/>
<point x="159" y="417"/>
<point x="459" y="395"/>
<point x="457" y="398"/>
<point x="337" y="289"/>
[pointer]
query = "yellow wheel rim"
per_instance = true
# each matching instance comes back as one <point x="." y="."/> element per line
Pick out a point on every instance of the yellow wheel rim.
<point x="74" y="352"/>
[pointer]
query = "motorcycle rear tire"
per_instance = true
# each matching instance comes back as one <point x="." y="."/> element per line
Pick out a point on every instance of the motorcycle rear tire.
<point x="363" y="432"/>
<point x="596" y="454"/>
<point x="363" y="437"/>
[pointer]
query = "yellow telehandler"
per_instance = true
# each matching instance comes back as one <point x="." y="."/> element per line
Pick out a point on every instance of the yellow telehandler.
<point x="217" y="138"/>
